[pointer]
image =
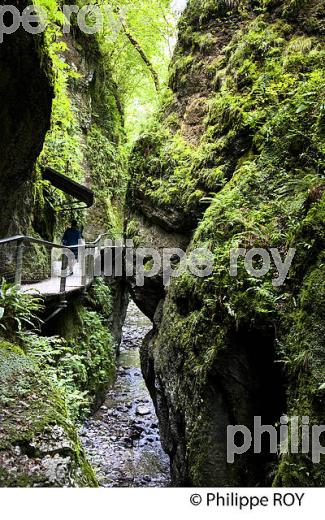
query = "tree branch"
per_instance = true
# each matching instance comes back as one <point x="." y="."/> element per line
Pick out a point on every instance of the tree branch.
<point x="143" y="55"/>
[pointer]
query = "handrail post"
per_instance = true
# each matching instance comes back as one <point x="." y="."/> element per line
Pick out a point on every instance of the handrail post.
<point x="97" y="262"/>
<point x="92" y="265"/>
<point x="82" y="262"/>
<point x="19" y="262"/>
<point x="64" y="266"/>
<point x="88" y="269"/>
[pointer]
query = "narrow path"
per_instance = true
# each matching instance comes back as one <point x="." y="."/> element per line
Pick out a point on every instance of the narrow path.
<point x="122" y="439"/>
<point x="51" y="286"/>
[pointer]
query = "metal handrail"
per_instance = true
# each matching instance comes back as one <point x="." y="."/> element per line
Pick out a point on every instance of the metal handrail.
<point x="21" y="239"/>
<point x="26" y="238"/>
<point x="98" y="239"/>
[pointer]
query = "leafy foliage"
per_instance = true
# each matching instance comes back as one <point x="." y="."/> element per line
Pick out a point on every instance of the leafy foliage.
<point x="79" y="367"/>
<point x="152" y="24"/>
<point x="18" y="310"/>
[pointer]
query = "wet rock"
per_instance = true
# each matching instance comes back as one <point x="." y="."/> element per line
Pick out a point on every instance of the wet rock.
<point x="136" y="432"/>
<point x="53" y="440"/>
<point x="142" y="410"/>
<point x="128" y="442"/>
<point x="40" y="448"/>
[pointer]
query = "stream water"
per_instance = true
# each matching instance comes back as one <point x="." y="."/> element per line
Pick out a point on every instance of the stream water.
<point x="122" y="438"/>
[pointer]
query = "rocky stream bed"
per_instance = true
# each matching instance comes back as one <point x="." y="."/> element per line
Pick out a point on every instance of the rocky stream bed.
<point x="122" y="438"/>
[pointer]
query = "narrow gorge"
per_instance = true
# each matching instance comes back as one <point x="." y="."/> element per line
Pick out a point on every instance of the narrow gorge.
<point x="192" y="126"/>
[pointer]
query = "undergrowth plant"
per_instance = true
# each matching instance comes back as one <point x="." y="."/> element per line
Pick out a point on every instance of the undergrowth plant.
<point x="81" y="366"/>
<point x="18" y="311"/>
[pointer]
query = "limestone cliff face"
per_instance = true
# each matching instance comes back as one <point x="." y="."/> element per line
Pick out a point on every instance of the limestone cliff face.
<point x="60" y="109"/>
<point x="84" y="139"/>
<point x="26" y="94"/>
<point x="235" y="160"/>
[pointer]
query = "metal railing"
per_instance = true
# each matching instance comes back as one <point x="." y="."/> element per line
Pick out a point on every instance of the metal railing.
<point x="27" y="261"/>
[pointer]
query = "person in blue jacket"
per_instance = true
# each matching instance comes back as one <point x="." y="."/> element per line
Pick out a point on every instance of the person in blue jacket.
<point x="71" y="237"/>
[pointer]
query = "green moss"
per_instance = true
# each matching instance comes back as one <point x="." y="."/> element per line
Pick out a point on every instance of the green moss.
<point x="161" y="168"/>
<point x="133" y="232"/>
<point x="86" y="130"/>
<point x="81" y="359"/>
<point x="108" y="173"/>
<point x="258" y="165"/>
<point x="305" y="360"/>
<point x="30" y="408"/>
<point x="273" y="81"/>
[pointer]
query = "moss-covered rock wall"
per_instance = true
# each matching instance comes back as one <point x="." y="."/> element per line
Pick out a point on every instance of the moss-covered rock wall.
<point x="52" y="376"/>
<point x="38" y="442"/>
<point x="85" y="141"/>
<point x="236" y="159"/>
